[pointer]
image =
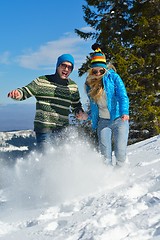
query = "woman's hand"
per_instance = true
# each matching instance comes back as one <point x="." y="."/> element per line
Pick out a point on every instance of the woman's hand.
<point x="81" y="115"/>
<point x="125" y="117"/>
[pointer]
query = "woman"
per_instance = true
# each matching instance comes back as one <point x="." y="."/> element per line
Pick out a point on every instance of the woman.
<point x="109" y="107"/>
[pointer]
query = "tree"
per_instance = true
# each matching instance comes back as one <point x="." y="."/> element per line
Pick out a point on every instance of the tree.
<point x="146" y="46"/>
<point x="128" y="32"/>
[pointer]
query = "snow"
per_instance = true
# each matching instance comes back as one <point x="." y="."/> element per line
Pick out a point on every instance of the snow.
<point x="70" y="194"/>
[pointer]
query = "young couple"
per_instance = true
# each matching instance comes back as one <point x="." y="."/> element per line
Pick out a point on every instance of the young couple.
<point x="56" y="95"/>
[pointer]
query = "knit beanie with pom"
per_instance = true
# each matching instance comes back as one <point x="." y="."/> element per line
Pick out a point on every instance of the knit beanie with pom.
<point x="98" y="58"/>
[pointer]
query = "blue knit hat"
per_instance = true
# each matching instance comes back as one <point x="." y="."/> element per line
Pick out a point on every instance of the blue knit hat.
<point x="98" y="58"/>
<point x="65" y="58"/>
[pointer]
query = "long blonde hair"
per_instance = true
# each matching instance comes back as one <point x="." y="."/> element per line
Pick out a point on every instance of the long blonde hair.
<point x="96" y="84"/>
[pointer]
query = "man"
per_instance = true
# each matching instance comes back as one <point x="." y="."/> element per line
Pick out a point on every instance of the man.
<point x="56" y="95"/>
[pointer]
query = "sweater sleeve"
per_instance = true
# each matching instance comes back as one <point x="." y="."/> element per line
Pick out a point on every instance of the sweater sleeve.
<point x="76" y="104"/>
<point x="28" y="91"/>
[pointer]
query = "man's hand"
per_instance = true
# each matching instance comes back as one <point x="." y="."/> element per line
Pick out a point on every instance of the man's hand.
<point x="81" y="115"/>
<point x="15" y="94"/>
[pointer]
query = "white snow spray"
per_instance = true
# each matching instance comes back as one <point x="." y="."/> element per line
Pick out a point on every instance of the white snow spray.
<point x="70" y="170"/>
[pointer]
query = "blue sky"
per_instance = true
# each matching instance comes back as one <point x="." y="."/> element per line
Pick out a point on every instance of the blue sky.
<point x="33" y="34"/>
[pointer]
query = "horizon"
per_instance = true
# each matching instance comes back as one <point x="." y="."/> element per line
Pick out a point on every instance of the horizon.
<point x="15" y="118"/>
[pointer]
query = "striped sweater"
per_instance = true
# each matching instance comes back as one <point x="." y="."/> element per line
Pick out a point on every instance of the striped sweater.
<point x="55" y="99"/>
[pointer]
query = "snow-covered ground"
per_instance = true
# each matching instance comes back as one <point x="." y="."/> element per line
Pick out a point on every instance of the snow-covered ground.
<point x="69" y="194"/>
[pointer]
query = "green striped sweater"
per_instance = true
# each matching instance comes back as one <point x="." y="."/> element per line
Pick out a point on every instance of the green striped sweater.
<point x="54" y="101"/>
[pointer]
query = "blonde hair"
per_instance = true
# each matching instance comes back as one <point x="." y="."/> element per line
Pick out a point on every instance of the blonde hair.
<point x="96" y="84"/>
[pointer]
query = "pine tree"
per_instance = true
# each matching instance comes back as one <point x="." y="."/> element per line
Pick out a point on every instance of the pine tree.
<point x="129" y="35"/>
<point x="146" y="46"/>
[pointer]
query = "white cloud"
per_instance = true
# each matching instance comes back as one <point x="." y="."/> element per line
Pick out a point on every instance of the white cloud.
<point x="87" y="29"/>
<point x="46" y="55"/>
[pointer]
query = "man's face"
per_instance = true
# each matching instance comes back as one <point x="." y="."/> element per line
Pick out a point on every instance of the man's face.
<point x="64" y="70"/>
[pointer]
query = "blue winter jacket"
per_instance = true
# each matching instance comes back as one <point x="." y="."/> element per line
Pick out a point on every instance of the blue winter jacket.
<point x="116" y="95"/>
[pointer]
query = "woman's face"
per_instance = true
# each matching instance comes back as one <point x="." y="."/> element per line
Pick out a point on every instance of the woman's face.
<point x="98" y="71"/>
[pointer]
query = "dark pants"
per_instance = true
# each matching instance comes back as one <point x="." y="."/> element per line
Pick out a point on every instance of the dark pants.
<point x="49" y="138"/>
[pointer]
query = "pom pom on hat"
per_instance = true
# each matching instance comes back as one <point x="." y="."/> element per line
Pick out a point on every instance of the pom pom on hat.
<point x="65" y="58"/>
<point x="98" y="58"/>
<point x="96" y="47"/>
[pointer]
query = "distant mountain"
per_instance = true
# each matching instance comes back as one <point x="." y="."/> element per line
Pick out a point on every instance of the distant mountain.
<point x="18" y="116"/>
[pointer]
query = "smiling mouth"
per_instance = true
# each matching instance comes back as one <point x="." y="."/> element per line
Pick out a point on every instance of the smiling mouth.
<point x="65" y="74"/>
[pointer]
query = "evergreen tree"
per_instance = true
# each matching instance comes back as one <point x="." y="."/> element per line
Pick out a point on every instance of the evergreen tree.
<point x="146" y="46"/>
<point x="128" y="32"/>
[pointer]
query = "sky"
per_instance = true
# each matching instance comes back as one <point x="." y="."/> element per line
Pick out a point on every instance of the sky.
<point x="34" y="33"/>
<point x="73" y="195"/>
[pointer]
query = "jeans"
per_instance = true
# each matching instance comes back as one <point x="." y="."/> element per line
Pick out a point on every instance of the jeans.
<point x="113" y="134"/>
<point x="47" y="138"/>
